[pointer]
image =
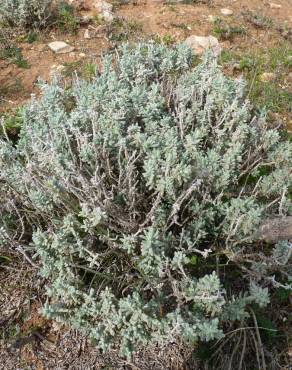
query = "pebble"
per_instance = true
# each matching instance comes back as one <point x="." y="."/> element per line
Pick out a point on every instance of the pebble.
<point x="102" y="6"/>
<point x="275" y="6"/>
<point x="226" y="11"/>
<point x="87" y="34"/>
<point x="108" y="16"/>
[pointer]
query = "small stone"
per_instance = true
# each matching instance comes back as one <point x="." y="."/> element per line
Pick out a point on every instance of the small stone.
<point x="267" y="76"/>
<point x="275" y="6"/>
<point x="60" y="47"/>
<point x="87" y="34"/>
<point x="102" y="6"/>
<point x="225" y="11"/>
<point x="106" y="10"/>
<point x="108" y="16"/>
<point x="82" y="55"/>
<point x="200" y="44"/>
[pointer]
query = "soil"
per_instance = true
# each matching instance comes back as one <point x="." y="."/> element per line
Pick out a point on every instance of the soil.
<point x="155" y="17"/>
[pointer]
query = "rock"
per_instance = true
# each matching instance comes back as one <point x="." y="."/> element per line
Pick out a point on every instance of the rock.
<point x="275" y="6"/>
<point x="102" y="6"/>
<point x="226" y="11"/>
<point x="87" y="34"/>
<point x="106" y="10"/>
<point x="267" y="76"/>
<point x="60" y="47"/>
<point x="108" y="16"/>
<point x="82" y="55"/>
<point x="200" y="44"/>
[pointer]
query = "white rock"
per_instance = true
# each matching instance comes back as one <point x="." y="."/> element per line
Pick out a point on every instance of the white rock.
<point x="102" y="6"/>
<point x="226" y="11"/>
<point x="108" y="16"/>
<point x="82" y="55"/>
<point x="200" y="44"/>
<point x="275" y="6"/>
<point x="106" y="10"/>
<point x="60" y="47"/>
<point x="87" y="34"/>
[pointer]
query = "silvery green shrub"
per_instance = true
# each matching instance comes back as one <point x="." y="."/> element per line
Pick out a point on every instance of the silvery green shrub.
<point x="25" y="13"/>
<point x="134" y="185"/>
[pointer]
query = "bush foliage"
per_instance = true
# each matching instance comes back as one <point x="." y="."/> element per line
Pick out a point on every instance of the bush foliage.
<point x="134" y="188"/>
<point x="25" y="13"/>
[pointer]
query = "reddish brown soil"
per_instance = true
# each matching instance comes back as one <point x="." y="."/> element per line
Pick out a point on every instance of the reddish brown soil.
<point x="156" y="18"/>
<point x="159" y="18"/>
<point x="42" y="63"/>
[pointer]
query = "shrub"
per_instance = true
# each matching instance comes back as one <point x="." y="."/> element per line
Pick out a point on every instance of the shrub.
<point x="66" y="19"/>
<point x="25" y="13"/>
<point x="226" y="31"/>
<point x="134" y="187"/>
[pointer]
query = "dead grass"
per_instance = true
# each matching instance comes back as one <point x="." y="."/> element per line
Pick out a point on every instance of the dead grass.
<point x="29" y="341"/>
